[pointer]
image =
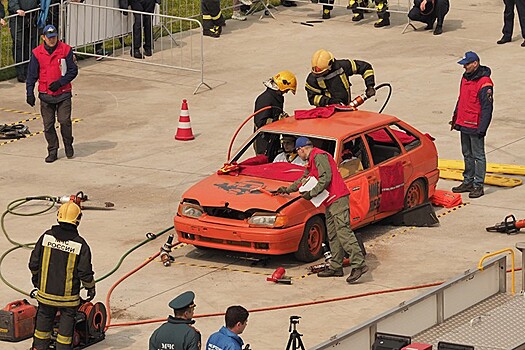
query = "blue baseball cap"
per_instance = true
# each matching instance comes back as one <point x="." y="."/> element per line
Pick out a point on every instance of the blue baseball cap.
<point x="50" y="31"/>
<point x="470" y="56"/>
<point x="302" y="141"/>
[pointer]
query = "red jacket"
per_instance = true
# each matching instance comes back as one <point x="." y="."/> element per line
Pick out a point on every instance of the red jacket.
<point x="337" y="187"/>
<point x="50" y="67"/>
<point x="469" y="105"/>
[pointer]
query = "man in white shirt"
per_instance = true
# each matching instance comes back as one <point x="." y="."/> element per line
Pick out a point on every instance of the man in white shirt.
<point x="289" y="154"/>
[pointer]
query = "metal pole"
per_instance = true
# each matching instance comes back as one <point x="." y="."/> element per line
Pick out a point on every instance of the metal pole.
<point x="521" y="247"/>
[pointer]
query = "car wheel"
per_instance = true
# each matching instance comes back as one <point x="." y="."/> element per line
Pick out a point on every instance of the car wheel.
<point x="417" y="194"/>
<point x="313" y="237"/>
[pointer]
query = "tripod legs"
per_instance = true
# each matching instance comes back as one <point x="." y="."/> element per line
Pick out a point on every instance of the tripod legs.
<point x="295" y="342"/>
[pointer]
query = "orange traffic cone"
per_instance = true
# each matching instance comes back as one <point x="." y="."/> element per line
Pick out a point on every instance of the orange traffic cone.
<point x="184" y="132"/>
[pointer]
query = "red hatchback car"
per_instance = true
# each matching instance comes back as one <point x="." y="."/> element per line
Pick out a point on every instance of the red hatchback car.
<point x="387" y="165"/>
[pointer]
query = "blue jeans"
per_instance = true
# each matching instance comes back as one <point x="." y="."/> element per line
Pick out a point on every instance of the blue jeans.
<point x="473" y="149"/>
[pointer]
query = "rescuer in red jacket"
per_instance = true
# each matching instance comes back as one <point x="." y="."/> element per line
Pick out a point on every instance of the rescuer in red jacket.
<point x="321" y="165"/>
<point x="471" y="118"/>
<point x="52" y="65"/>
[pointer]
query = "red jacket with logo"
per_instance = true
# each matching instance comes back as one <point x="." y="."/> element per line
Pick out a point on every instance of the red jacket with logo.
<point x="337" y="187"/>
<point x="50" y="67"/>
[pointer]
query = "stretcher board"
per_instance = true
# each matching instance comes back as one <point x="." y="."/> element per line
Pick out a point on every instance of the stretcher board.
<point x="490" y="179"/>
<point x="491" y="167"/>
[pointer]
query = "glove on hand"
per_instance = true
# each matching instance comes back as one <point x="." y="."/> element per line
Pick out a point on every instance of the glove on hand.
<point x="370" y="91"/>
<point x="30" y="99"/>
<point x="282" y="190"/>
<point x="54" y="86"/>
<point x="306" y="195"/>
<point x="91" y="293"/>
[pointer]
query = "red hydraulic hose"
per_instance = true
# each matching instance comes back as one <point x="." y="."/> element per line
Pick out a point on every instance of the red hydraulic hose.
<point x="241" y="126"/>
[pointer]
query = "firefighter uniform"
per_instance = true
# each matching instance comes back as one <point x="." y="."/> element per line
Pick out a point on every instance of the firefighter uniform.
<point x="212" y="18"/>
<point x="334" y="86"/>
<point x="178" y="332"/>
<point x="59" y="263"/>
<point x="381" y="7"/>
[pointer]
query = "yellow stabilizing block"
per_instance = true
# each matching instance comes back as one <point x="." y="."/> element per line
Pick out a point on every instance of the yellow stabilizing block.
<point x="490" y="179"/>
<point x="491" y="167"/>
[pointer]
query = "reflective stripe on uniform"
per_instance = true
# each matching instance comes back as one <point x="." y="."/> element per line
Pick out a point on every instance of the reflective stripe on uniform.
<point x="317" y="100"/>
<point x="368" y="73"/>
<point x="216" y="17"/>
<point x="354" y="66"/>
<point x="208" y="17"/>
<point x="346" y="83"/>
<point x="70" y="269"/>
<point x="42" y="335"/>
<point x="63" y="339"/>
<point x="45" y="266"/>
<point x="311" y="88"/>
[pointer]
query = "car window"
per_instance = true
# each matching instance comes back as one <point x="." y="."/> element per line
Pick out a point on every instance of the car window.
<point x="382" y="145"/>
<point x="354" y="157"/>
<point x="269" y="143"/>
<point x="407" y="139"/>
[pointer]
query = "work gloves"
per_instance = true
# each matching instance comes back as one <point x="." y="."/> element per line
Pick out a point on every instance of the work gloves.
<point x="54" y="86"/>
<point x="91" y="293"/>
<point x="31" y="100"/>
<point x="306" y="195"/>
<point x="370" y="91"/>
<point x="282" y="190"/>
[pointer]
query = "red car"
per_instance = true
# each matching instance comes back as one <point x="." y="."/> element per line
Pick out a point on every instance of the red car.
<point x="387" y="164"/>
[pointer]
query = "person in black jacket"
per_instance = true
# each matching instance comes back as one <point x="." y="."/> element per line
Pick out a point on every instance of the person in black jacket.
<point x="273" y="96"/>
<point x="328" y="82"/>
<point x="23" y="32"/>
<point x="427" y="11"/>
<point x="60" y="263"/>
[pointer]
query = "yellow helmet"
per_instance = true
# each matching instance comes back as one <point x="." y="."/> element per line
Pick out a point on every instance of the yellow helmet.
<point x="69" y="213"/>
<point x="285" y="81"/>
<point x="322" y="61"/>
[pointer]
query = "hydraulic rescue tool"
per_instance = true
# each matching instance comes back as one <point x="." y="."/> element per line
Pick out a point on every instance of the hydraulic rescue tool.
<point x="79" y="199"/>
<point x="165" y="251"/>
<point x="509" y="225"/>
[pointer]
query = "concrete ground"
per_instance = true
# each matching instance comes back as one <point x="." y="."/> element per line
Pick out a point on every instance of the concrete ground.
<point x="126" y="154"/>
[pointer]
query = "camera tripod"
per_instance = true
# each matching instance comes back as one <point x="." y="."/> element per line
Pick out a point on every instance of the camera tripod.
<point x="294" y="341"/>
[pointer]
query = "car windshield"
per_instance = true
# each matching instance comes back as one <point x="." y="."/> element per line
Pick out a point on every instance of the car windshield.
<point x="271" y="144"/>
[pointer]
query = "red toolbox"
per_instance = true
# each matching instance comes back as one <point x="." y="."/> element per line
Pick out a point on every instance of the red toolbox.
<point x="418" y="346"/>
<point x="17" y="321"/>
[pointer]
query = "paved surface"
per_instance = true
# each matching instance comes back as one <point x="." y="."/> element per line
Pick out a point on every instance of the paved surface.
<point x="125" y="153"/>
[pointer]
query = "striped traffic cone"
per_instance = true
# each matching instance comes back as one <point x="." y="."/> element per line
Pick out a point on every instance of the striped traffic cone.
<point x="184" y="132"/>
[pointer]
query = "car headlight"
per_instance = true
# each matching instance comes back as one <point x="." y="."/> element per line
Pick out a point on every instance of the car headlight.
<point x="267" y="220"/>
<point x="190" y="210"/>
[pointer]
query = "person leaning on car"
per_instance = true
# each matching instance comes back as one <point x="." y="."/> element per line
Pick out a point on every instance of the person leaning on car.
<point x="321" y="165"/>
<point x="329" y="83"/>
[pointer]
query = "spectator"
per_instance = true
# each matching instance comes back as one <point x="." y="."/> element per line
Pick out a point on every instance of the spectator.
<point x="383" y="16"/>
<point x="23" y="32"/>
<point x="212" y="18"/>
<point x="427" y="11"/>
<point x="142" y="23"/>
<point x="237" y="9"/>
<point x="52" y="65"/>
<point x="508" y="20"/>
<point x="178" y="332"/>
<point x="227" y="338"/>
<point x="472" y="117"/>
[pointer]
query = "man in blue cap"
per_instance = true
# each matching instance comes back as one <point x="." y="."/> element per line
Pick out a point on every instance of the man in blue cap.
<point x="471" y="118"/>
<point x="53" y="66"/>
<point x="321" y="165"/>
<point x="178" y="332"/>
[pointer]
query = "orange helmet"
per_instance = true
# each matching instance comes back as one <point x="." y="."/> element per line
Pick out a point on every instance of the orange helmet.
<point x="322" y="61"/>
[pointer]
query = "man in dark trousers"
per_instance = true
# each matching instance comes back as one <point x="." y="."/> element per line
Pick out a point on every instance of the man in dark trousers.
<point x="508" y="20"/>
<point x="276" y="87"/>
<point x="329" y="83"/>
<point x="178" y="332"/>
<point x="59" y="263"/>
<point x="322" y="167"/>
<point x="23" y="33"/>
<point x="142" y="23"/>
<point x="52" y="65"/>
<point x="212" y="18"/>
<point x="427" y="11"/>
<point x="471" y="118"/>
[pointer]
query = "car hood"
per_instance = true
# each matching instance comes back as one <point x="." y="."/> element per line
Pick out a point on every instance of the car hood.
<point x="238" y="192"/>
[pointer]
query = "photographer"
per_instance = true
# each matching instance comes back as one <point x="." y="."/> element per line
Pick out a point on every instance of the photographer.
<point x="227" y="338"/>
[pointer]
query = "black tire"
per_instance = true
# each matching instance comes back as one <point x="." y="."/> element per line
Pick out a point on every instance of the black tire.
<point x="310" y="247"/>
